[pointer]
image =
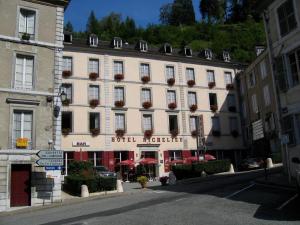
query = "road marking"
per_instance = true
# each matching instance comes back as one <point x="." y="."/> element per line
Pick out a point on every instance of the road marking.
<point x="287" y="202"/>
<point x="237" y="192"/>
<point x="180" y="199"/>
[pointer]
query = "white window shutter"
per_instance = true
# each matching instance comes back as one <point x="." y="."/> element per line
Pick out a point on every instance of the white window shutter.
<point x="22" y="22"/>
<point x="30" y="23"/>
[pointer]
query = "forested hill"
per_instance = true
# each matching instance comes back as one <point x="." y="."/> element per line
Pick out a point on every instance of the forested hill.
<point x="239" y="34"/>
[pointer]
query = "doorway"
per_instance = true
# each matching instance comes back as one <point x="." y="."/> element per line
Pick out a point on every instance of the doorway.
<point x="20" y="191"/>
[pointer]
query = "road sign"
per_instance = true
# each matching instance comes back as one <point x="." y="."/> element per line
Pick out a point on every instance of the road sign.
<point x="258" y="130"/>
<point x="50" y="162"/>
<point x="53" y="168"/>
<point x="50" y="154"/>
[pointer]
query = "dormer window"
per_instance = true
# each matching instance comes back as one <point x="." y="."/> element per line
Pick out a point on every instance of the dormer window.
<point x="143" y="46"/>
<point x="208" y="54"/>
<point x="68" y="38"/>
<point x="226" y="56"/>
<point x="168" y="49"/>
<point x="188" y="52"/>
<point x="93" y="40"/>
<point x="117" y="42"/>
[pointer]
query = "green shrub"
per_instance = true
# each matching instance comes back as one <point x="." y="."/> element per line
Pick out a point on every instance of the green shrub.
<point x="107" y="183"/>
<point x="195" y="170"/>
<point x="80" y="168"/>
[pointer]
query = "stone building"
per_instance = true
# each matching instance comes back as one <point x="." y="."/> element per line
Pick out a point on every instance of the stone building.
<point x="129" y="102"/>
<point x="31" y="42"/>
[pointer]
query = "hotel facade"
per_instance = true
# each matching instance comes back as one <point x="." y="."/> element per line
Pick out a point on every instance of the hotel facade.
<point x="132" y="102"/>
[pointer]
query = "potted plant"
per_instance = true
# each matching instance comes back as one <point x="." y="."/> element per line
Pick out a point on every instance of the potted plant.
<point x="232" y="108"/>
<point x="120" y="132"/>
<point x="194" y="133"/>
<point x="174" y="132"/>
<point x="145" y="79"/>
<point x="94" y="102"/>
<point x="95" y="131"/>
<point x="163" y="180"/>
<point x="119" y="77"/>
<point x="211" y="84"/>
<point x="191" y="83"/>
<point x="66" y="73"/>
<point x="171" y="81"/>
<point x="172" y="105"/>
<point x="143" y="181"/>
<point x="234" y="133"/>
<point x="119" y="103"/>
<point x="65" y="131"/>
<point x="214" y="108"/>
<point x="229" y="86"/>
<point x="147" y="105"/>
<point x="216" y="133"/>
<point x="148" y="133"/>
<point x="25" y="36"/>
<point x="93" y="76"/>
<point x="193" y="107"/>
<point x="66" y="102"/>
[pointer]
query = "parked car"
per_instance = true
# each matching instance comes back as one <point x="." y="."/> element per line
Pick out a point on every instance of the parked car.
<point x="104" y="172"/>
<point x="251" y="164"/>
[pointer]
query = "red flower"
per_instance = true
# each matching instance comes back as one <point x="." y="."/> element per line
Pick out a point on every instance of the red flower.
<point x="147" y="105"/>
<point x="191" y="83"/>
<point x="93" y="76"/>
<point x="66" y="73"/>
<point x="193" y="107"/>
<point x="119" y="77"/>
<point x="172" y="105"/>
<point x="171" y="81"/>
<point x="145" y="79"/>
<point x="211" y="84"/>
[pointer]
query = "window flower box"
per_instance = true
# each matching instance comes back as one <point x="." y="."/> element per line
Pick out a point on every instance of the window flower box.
<point x="229" y="86"/>
<point x="191" y="83"/>
<point x="234" y="133"/>
<point x="171" y="81"/>
<point x="119" y="103"/>
<point x="193" y="108"/>
<point x="174" y="132"/>
<point x="194" y="133"/>
<point x="95" y="131"/>
<point x="66" y="73"/>
<point x="232" y="108"/>
<point x="145" y="79"/>
<point x="148" y="133"/>
<point x="211" y="84"/>
<point x="119" y="77"/>
<point x="66" y="131"/>
<point x="120" y="132"/>
<point x="216" y="133"/>
<point x="93" y="76"/>
<point x="94" y="102"/>
<point x="66" y="102"/>
<point x="147" y="105"/>
<point x="214" y="108"/>
<point x="25" y="36"/>
<point x="172" y="105"/>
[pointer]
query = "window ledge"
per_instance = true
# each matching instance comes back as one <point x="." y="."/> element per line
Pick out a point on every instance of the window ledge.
<point x="119" y="108"/>
<point x="147" y="110"/>
<point x="172" y="111"/>
<point x="22" y="101"/>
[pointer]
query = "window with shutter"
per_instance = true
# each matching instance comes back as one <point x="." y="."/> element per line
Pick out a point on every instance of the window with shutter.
<point x="27" y="22"/>
<point x="22" y="127"/>
<point x="170" y="72"/>
<point x="210" y="76"/>
<point x="146" y="95"/>
<point x="93" y="92"/>
<point x="119" y="94"/>
<point x="94" y="121"/>
<point x="67" y="64"/>
<point x="173" y="123"/>
<point x="118" y="67"/>
<point x="24" y="72"/>
<point x="94" y="66"/>
<point x="192" y="98"/>
<point x="267" y="95"/>
<point x="190" y="74"/>
<point x="171" y="96"/>
<point x="120" y="121"/>
<point x="263" y="69"/>
<point x="147" y="122"/>
<point x="213" y="99"/>
<point x="144" y="70"/>
<point x="193" y="121"/>
<point x="228" y="78"/>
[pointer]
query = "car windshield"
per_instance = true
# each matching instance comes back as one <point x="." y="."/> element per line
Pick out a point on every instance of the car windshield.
<point x="101" y="169"/>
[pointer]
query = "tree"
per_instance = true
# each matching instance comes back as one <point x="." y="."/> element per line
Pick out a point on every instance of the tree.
<point x="165" y="14"/>
<point x="182" y="13"/>
<point x="92" y="26"/>
<point x="69" y="27"/>
<point x="213" y="10"/>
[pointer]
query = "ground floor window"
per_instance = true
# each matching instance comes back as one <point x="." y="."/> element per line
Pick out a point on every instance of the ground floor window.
<point x="95" y="158"/>
<point x="175" y="155"/>
<point x="22" y="129"/>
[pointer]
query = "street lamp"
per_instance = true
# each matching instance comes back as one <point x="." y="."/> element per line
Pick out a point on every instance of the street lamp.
<point x="63" y="97"/>
<point x="200" y="139"/>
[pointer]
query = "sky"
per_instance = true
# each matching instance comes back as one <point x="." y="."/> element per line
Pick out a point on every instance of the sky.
<point x="143" y="12"/>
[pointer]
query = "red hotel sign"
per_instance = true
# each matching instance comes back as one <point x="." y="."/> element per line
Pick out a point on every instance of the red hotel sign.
<point x="146" y="140"/>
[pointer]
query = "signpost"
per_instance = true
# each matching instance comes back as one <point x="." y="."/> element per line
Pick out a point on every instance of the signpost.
<point x="50" y="159"/>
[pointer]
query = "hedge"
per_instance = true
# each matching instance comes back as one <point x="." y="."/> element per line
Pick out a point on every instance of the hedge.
<point x="195" y="170"/>
<point x="73" y="184"/>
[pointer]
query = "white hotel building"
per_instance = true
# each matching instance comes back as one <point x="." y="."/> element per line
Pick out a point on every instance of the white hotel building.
<point x="130" y="102"/>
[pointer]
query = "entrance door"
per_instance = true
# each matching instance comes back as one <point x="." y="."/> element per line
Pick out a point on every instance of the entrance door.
<point x="20" y="193"/>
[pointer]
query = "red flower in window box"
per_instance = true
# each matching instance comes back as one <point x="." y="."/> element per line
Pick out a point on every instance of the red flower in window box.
<point x="119" y="103"/>
<point x="229" y="86"/>
<point x="119" y="77"/>
<point x="171" y="81"/>
<point x="66" y="102"/>
<point x="235" y="133"/>
<point x="211" y="84"/>
<point x="120" y="132"/>
<point x="93" y="76"/>
<point x="147" y="105"/>
<point x="191" y="83"/>
<point x="214" y="108"/>
<point x="65" y="131"/>
<point x="66" y="73"/>
<point x="172" y="105"/>
<point x="94" y="102"/>
<point x="148" y="133"/>
<point x="194" y="133"/>
<point x="95" y="131"/>
<point x="174" y="132"/>
<point x="193" y="107"/>
<point x="145" y="79"/>
<point x="216" y="133"/>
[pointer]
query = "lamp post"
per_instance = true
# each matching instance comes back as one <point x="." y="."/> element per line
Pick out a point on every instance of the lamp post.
<point x="63" y="97"/>
<point x="200" y="139"/>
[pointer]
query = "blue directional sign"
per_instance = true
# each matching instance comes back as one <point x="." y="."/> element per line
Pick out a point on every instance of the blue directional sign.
<point x="50" y="154"/>
<point x="53" y="168"/>
<point x="50" y="162"/>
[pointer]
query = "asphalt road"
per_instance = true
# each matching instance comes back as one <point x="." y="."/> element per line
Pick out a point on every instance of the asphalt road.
<point x="241" y="202"/>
